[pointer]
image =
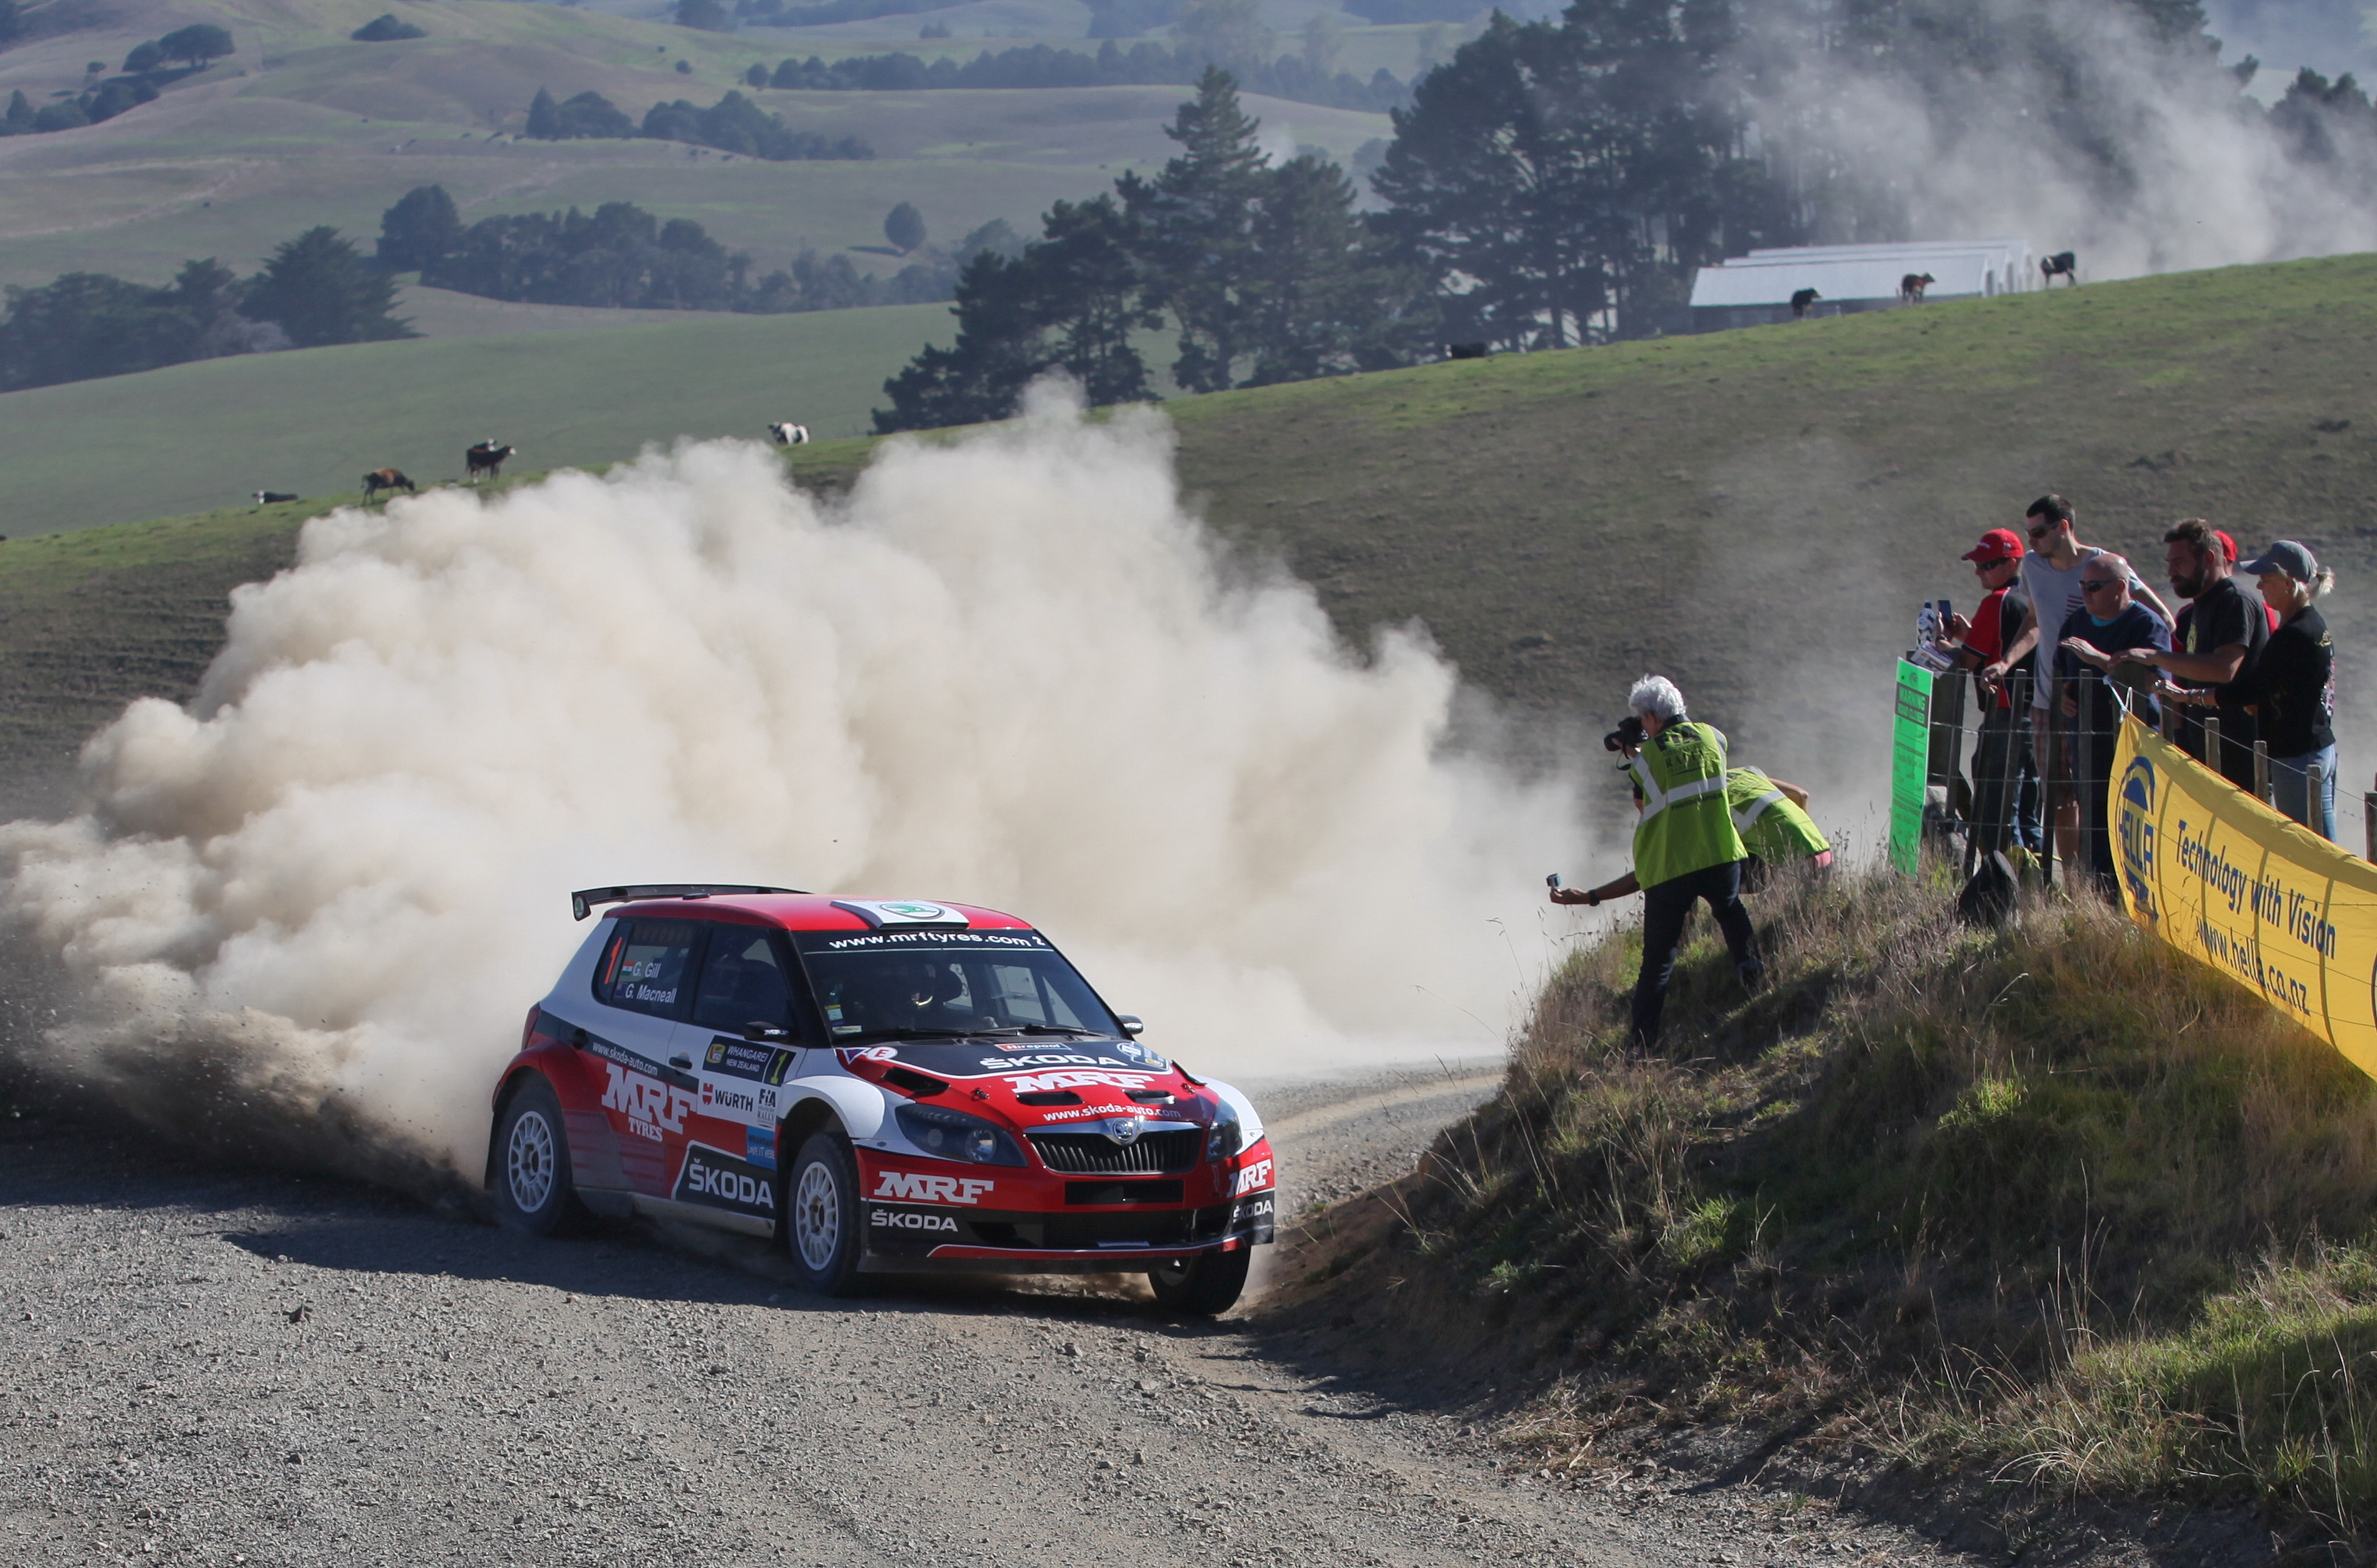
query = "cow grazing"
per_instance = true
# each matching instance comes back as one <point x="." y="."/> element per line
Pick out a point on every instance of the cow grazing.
<point x="270" y="497"/>
<point x="486" y="458"/>
<point x="1802" y="300"/>
<point x="2062" y="264"/>
<point x="1911" y="287"/>
<point x="385" y="479"/>
<point x="789" y="435"/>
<point x="1465" y="350"/>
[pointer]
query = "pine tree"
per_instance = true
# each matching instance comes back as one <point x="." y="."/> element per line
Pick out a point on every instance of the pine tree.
<point x="544" y="123"/>
<point x="1069" y="302"/>
<point x="319" y="290"/>
<point x="19" y="118"/>
<point x="1195" y="223"/>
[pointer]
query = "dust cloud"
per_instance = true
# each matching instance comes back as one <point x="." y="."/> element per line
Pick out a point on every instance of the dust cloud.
<point x="312" y="909"/>
<point x="2144" y="159"/>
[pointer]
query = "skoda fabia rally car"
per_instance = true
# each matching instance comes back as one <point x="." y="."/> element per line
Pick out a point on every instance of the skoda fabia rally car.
<point x="884" y="1087"/>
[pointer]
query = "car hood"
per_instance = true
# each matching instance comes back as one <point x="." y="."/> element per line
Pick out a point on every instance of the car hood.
<point x="1038" y="1084"/>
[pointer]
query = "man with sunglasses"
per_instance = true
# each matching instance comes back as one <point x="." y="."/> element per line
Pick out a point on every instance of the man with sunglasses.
<point x="2050" y="577"/>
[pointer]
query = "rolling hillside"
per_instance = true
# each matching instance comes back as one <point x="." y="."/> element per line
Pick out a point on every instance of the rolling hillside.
<point x="303" y="126"/>
<point x="312" y="419"/>
<point x="1757" y="513"/>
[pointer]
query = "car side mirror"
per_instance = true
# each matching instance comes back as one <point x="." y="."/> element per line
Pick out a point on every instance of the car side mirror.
<point x="757" y="1030"/>
<point x="1130" y="1025"/>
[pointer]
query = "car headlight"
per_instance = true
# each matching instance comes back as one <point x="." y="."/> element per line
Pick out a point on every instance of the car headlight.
<point x="1228" y="1135"/>
<point x="953" y="1135"/>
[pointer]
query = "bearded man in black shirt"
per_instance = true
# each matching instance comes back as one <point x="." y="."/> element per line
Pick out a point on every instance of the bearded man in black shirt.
<point x="2225" y="633"/>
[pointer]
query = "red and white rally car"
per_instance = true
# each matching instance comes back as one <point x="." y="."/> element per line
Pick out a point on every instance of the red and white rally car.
<point x="887" y="1086"/>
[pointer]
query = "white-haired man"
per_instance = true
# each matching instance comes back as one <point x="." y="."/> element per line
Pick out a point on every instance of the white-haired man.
<point x="1686" y="848"/>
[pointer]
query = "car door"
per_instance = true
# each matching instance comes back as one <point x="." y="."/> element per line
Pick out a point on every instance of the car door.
<point x="643" y="986"/>
<point x="742" y="1038"/>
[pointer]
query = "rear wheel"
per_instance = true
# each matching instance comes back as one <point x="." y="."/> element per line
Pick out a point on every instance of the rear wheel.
<point x="1205" y="1285"/>
<point x="532" y="1175"/>
<point x="821" y="1214"/>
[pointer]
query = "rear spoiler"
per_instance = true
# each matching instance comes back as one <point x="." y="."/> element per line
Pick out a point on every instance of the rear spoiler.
<point x="582" y="902"/>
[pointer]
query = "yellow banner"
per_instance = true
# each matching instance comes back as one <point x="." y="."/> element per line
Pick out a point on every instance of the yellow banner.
<point x="2267" y="901"/>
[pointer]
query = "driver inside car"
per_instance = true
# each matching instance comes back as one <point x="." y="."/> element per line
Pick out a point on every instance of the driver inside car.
<point x="907" y="996"/>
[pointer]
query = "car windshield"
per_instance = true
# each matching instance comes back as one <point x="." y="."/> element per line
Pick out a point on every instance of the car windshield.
<point x="891" y="985"/>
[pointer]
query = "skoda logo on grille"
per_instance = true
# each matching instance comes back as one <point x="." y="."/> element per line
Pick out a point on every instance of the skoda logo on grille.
<point x="1123" y="1131"/>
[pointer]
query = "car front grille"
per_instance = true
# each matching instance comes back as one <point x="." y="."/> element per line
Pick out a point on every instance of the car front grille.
<point x="1095" y="1154"/>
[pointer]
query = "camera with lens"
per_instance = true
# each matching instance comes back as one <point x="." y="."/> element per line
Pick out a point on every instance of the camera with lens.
<point x="1628" y="733"/>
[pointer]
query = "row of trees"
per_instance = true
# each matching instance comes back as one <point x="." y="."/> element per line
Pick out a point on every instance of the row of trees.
<point x="734" y="123"/>
<point x="622" y="256"/>
<point x="1559" y="182"/>
<point x="1292" y="77"/>
<point x="316" y="289"/>
<point x="1266" y="270"/>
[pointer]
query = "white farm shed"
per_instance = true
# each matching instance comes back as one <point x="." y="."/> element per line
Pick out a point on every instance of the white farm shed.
<point x="1749" y="290"/>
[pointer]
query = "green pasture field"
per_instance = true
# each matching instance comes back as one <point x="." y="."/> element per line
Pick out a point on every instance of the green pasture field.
<point x="305" y="127"/>
<point x="312" y="421"/>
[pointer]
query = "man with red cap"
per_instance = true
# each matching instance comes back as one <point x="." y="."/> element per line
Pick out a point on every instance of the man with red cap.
<point x="2005" y="773"/>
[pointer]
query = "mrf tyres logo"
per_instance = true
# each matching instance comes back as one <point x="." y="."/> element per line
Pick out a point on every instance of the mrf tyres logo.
<point x="915" y="1187"/>
<point x="2134" y="826"/>
<point x="653" y="1109"/>
<point x="1253" y="1179"/>
<point x="717" y="1180"/>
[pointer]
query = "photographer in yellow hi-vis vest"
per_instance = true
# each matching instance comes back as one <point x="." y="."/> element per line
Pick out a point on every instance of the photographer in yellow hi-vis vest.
<point x="1686" y="847"/>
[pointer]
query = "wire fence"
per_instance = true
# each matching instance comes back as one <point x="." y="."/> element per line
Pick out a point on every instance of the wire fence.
<point x="2005" y="774"/>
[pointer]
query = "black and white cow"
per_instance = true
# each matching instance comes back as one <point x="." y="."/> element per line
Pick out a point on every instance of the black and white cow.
<point x="789" y="435"/>
<point x="486" y="458"/>
<point x="272" y="497"/>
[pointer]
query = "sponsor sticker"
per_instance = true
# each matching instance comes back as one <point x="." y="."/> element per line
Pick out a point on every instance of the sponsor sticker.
<point x="729" y="1104"/>
<point x="741" y="1059"/>
<point x="653" y="1109"/>
<point x="1253" y="1178"/>
<point x="717" y="1180"/>
<point x="1037" y="1083"/>
<point x="910" y="1219"/>
<point x="916" y="1187"/>
<point x="760" y="1147"/>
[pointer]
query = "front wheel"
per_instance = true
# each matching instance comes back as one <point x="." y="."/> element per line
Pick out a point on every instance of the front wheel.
<point x="822" y="1214"/>
<point x="532" y="1175"/>
<point x="1207" y="1285"/>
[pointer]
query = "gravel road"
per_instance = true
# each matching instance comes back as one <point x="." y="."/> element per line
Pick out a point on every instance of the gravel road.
<point x="221" y="1366"/>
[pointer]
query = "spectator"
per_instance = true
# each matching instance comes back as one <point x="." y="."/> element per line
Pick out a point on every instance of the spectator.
<point x="1772" y="817"/>
<point x="2293" y="685"/>
<point x="1686" y="848"/>
<point x="2005" y="767"/>
<point x="2113" y="627"/>
<point x="2247" y="584"/>
<point x="2050" y="577"/>
<point x="2226" y="632"/>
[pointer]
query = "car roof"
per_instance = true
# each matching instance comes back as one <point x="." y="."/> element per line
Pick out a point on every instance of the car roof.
<point x="797" y="912"/>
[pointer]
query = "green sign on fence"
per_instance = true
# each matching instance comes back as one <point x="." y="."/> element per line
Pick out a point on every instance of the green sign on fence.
<point x="1910" y="764"/>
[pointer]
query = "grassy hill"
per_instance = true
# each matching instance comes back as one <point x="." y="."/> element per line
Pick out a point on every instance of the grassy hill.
<point x="303" y="126"/>
<point x="1757" y="513"/>
<point x="2051" y="1203"/>
<point x="311" y="421"/>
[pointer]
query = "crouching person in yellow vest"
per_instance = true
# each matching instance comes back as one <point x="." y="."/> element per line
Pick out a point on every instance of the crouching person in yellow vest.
<point x="1686" y="847"/>
<point x="1772" y="817"/>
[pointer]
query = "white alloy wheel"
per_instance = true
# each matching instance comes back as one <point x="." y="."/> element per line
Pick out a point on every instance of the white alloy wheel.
<point x="816" y="1217"/>
<point x="529" y="1162"/>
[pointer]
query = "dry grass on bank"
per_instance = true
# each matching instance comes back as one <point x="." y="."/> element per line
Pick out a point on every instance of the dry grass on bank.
<point x="2051" y="1202"/>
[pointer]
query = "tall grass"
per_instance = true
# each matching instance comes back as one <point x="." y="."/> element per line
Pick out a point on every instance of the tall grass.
<point x="2053" y="1198"/>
